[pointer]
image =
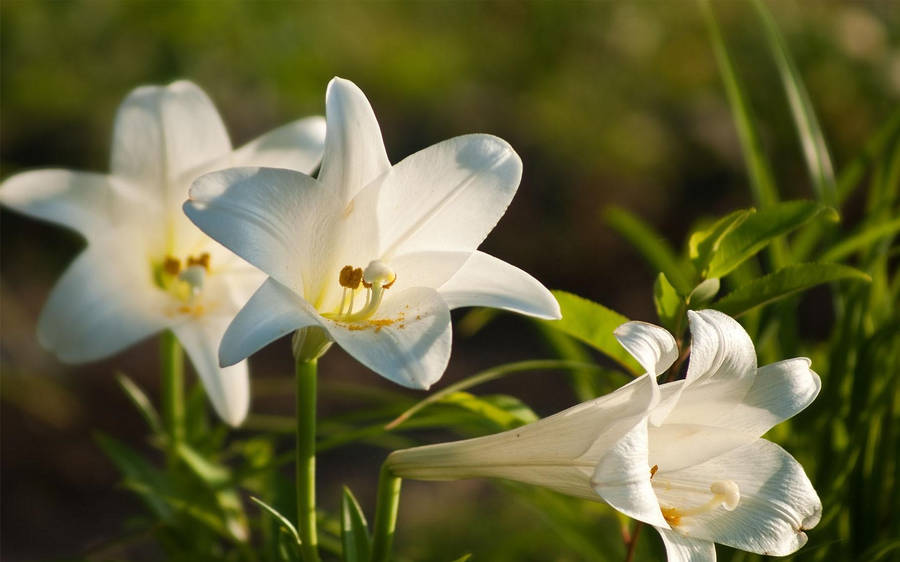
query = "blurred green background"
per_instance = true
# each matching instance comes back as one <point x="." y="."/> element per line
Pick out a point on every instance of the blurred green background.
<point x="607" y="103"/>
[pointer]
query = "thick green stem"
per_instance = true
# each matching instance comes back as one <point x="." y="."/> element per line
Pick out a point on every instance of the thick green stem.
<point x="172" y="362"/>
<point x="306" y="459"/>
<point x="385" y="514"/>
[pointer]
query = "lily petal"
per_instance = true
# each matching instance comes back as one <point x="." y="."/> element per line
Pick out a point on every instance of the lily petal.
<point x="162" y="132"/>
<point x="680" y="548"/>
<point x="448" y="196"/>
<point x="777" y="500"/>
<point x="653" y="347"/>
<point x="720" y="349"/>
<point x="779" y="391"/>
<point x="227" y="387"/>
<point x="354" y="150"/>
<point x="101" y="306"/>
<point x="487" y="281"/>
<point x="281" y="221"/>
<point x="272" y="312"/>
<point x="407" y="342"/>
<point x="622" y="478"/>
<point x="88" y="203"/>
<point x="295" y="146"/>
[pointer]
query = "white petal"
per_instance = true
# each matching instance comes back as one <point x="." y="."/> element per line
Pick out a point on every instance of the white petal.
<point x="720" y="349"/>
<point x="407" y="341"/>
<point x="281" y="221"/>
<point x="778" y="392"/>
<point x="295" y="146"/>
<point x="446" y="197"/>
<point x="162" y="133"/>
<point x="777" y="500"/>
<point x="226" y="387"/>
<point x="622" y="478"/>
<point x="272" y="312"/>
<point x="426" y="269"/>
<point x="678" y="445"/>
<point x="88" y="203"/>
<point x="487" y="281"/>
<point x="103" y="303"/>
<point x="354" y="151"/>
<point x="680" y="548"/>
<point x="558" y="452"/>
<point x="653" y="347"/>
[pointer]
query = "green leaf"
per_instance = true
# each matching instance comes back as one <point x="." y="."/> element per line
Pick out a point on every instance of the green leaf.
<point x="861" y="240"/>
<point x="285" y="522"/>
<point x="142" y="402"/>
<point x="762" y="183"/>
<point x="593" y="324"/>
<point x="784" y="282"/>
<point x="357" y="545"/>
<point x="759" y="229"/>
<point x="505" y="413"/>
<point x="815" y="150"/>
<point x="669" y="305"/>
<point x="653" y="247"/>
<point x="463" y="558"/>
<point x="703" y="244"/>
<point x="489" y="375"/>
<point x="213" y="474"/>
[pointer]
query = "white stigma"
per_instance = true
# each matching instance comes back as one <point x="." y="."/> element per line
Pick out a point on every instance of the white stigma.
<point x="194" y="276"/>
<point x="728" y="492"/>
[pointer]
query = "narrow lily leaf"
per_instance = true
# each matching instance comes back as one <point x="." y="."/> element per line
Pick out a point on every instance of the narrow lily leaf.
<point x="815" y="151"/>
<point x="357" y="545"/>
<point x="463" y="558"/>
<point x="593" y="324"/>
<point x="214" y="475"/>
<point x="142" y="402"/>
<point x="784" y="282"/>
<point x="762" y="183"/>
<point x="760" y="229"/>
<point x="148" y="482"/>
<point x="585" y="382"/>
<point x="861" y="240"/>
<point x="489" y="375"/>
<point x="851" y="174"/>
<point x="669" y="305"/>
<point x="490" y="408"/>
<point x="703" y="244"/>
<point x="285" y="522"/>
<point x="653" y="247"/>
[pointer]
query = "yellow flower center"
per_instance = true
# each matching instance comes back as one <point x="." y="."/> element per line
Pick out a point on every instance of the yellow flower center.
<point x="182" y="280"/>
<point x="375" y="279"/>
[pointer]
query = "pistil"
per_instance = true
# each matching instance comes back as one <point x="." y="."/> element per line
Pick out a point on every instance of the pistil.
<point x="726" y="494"/>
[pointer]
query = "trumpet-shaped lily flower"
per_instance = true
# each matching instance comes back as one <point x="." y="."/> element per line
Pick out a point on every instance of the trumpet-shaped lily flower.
<point x="146" y="268"/>
<point x="685" y="457"/>
<point x="373" y="254"/>
<point x="699" y="471"/>
<point x="559" y="452"/>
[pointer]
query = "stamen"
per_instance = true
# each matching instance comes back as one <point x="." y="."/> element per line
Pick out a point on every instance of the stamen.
<point x="726" y="494"/>
<point x="171" y="265"/>
<point x="194" y="277"/>
<point x="377" y="277"/>
<point x="201" y="260"/>
<point x="350" y="277"/>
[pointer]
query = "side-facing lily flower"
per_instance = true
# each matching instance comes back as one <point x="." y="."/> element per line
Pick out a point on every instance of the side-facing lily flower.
<point x="146" y="268"/>
<point x="373" y="254"/>
<point x="559" y="452"/>
<point x="699" y="471"/>
<point x="688" y="460"/>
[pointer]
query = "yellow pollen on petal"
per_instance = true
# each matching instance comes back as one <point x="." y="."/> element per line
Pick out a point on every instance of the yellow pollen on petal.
<point x="671" y="515"/>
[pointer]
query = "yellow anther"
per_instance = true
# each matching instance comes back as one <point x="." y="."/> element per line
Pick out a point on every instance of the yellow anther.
<point x="202" y="259"/>
<point x="653" y="471"/>
<point x="171" y="265"/>
<point x="350" y="277"/>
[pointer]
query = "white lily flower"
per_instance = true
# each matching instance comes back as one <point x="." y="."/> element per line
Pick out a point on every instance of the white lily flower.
<point x="699" y="471"/>
<point x="146" y="268"/>
<point x="559" y="452"/>
<point x="374" y="254"/>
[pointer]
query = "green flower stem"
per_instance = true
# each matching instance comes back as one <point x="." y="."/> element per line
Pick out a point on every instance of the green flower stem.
<point x="172" y="363"/>
<point x="385" y="514"/>
<point x="306" y="459"/>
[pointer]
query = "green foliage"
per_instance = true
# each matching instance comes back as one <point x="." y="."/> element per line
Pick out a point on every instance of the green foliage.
<point x="357" y="545"/>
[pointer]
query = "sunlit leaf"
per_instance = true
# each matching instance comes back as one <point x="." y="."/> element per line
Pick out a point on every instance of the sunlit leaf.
<point x="142" y="402"/>
<point x="593" y="324"/>
<point x="284" y="521"/>
<point x="782" y="283"/>
<point x="669" y="304"/>
<point x="703" y="243"/>
<point x="704" y="292"/>
<point x="760" y="229"/>
<point x="135" y="469"/>
<point x="861" y="240"/>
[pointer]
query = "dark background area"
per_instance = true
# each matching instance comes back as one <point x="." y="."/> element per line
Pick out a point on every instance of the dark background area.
<point x="607" y="104"/>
